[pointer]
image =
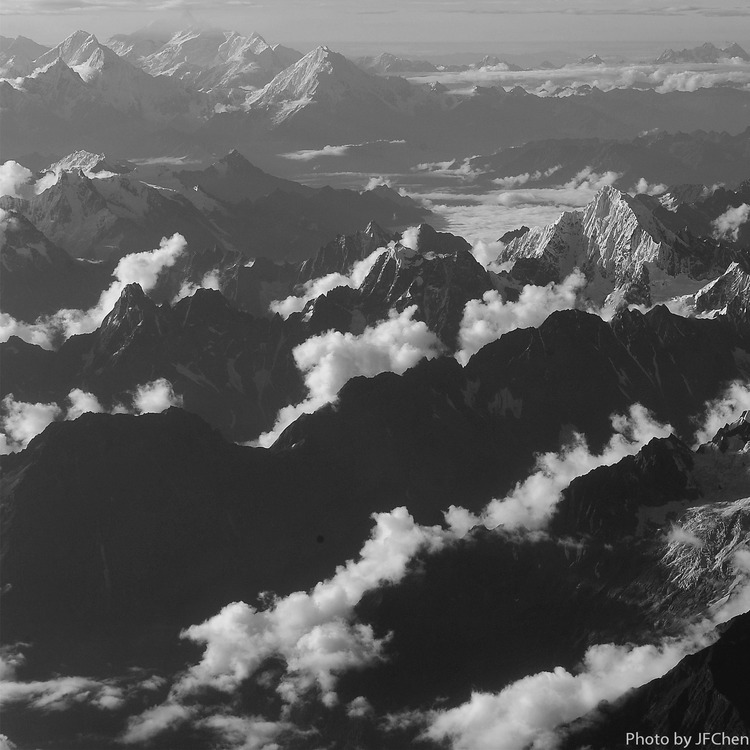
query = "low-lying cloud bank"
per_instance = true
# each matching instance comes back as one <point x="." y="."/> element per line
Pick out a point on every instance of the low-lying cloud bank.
<point x="662" y="78"/>
<point x="137" y="268"/>
<point x="21" y="421"/>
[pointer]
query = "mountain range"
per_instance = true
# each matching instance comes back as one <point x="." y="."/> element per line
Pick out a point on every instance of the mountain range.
<point x="288" y="463"/>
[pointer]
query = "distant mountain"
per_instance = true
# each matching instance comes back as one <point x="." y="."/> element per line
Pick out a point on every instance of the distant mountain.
<point x="388" y="64"/>
<point x="591" y="60"/>
<point x="324" y="96"/>
<point x="97" y="102"/>
<point x="231" y="204"/>
<point x="705" y="53"/>
<point x="117" y="83"/>
<point x="660" y="159"/>
<point x="208" y="59"/>
<point x="17" y="56"/>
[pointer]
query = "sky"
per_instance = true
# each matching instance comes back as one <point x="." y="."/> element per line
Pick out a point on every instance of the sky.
<point x="449" y="25"/>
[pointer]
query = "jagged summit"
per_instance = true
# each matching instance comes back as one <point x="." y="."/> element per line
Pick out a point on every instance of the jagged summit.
<point x="321" y="73"/>
<point x="705" y="53"/>
<point x="619" y="242"/>
<point x="80" y="48"/>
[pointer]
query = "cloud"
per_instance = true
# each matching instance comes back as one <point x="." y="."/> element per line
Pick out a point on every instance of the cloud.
<point x="209" y="281"/>
<point x="724" y="410"/>
<point x="62" y="693"/>
<point x="569" y="80"/>
<point x="644" y="187"/>
<point x="155" y="721"/>
<point x="679" y="535"/>
<point x="15" y="180"/>
<point x="155" y="397"/>
<point x="314" y="153"/>
<point x="522" y="179"/>
<point x="21" y="422"/>
<point x="313" y="632"/>
<point x="526" y="713"/>
<point x="137" y="268"/>
<point x="532" y="503"/>
<point x="728" y="224"/>
<point x="82" y="402"/>
<point x="328" y="361"/>
<point x="488" y="319"/>
<point x="487" y="216"/>
<point x="317" y="287"/>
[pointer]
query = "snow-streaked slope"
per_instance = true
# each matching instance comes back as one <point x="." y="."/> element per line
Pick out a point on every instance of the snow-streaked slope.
<point x="327" y="79"/>
<point x="618" y="242"/>
<point x="219" y="59"/>
<point x="17" y="56"/>
<point x="126" y="88"/>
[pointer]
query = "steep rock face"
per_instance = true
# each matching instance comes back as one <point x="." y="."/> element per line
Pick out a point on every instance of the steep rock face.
<point x="439" y="282"/>
<point x="705" y="692"/>
<point x="39" y="277"/>
<point x="234" y="370"/>
<point x="620" y="244"/>
<point x="616" y="500"/>
<point x="339" y="255"/>
<point x="733" y="286"/>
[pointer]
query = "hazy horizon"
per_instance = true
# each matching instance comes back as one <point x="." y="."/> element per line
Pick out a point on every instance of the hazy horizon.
<point x="363" y="27"/>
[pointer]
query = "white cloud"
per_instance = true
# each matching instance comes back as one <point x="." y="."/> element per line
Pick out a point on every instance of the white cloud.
<point x="728" y="224"/>
<point x="317" y="287"/>
<point x="564" y="81"/>
<point x="532" y="503"/>
<point x="643" y="186"/>
<point x="312" y="631"/>
<point x="22" y="421"/>
<point x="154" y="721"/>
<point x="522" y="179"/>
<point x="315" y="153"/>
<point x="679" y="535"/>
<point x="488" y="319"/>
<point x="328" y="361"/>
<point x="137" y="268"/>
<point x="724" y="410"/>
<point x="15" y="180"/>
<point x="155" y="397"/>
<point x="526" y="713"/>
<point x="210" y="280"/>
<point x="62" y="693"/>
<point x="82" y="402"/>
